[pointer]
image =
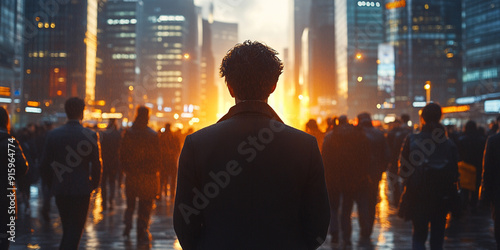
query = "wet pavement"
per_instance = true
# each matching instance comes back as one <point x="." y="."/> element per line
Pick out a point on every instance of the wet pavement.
<point x="103" y="229"/>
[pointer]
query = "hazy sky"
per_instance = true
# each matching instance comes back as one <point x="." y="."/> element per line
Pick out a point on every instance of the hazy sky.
<point x="262" y="20"/>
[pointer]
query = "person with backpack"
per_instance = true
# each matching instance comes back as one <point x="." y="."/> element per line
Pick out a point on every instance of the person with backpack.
<point x="429" y="165"/>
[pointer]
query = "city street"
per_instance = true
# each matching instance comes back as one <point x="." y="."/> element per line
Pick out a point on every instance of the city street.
<point x="104" y="228"/>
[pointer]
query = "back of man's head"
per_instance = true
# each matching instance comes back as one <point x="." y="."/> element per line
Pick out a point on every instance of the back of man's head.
<point x="365" y="120"/>
<point x="74" y="107"/>
<point x="251" y="69"/>
<point x="405" y="118"/>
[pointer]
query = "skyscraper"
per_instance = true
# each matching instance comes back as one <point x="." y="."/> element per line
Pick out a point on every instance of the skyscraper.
<point x="224" y="37"/>
<point x="359" y="30"/>
<point x="481" y="72"/>
<point x="60" y="53"/>
<point x="11" y="49"/>
<point x="208" y="90"/>
<point x="167" y="52"/>
<point x="116" y="53"/>
<point x="300" y="14"/>
<point x="323" y="77"/>
<point x="426" y="36"/>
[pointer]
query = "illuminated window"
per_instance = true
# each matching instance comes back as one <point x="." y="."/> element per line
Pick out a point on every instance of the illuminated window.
<point x="52" y="25"/>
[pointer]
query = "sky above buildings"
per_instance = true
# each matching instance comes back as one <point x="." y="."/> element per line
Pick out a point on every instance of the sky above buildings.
<point x="262" y="20"/>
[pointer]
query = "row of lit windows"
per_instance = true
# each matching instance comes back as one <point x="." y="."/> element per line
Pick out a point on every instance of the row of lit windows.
<point x="167" y="33"/>
<point x="427" y="19"/>
<point x="46" y="25"/>
<point x="169" y="79"/>
<point x="122" y="21"/>
<point x="46" y="54"/>
<point x="169" y="85"/>
<point x="368" y="4"/>
<point x="175" y="45"/>
<point x="168" y="27"/>
<point x="123" y="56"/>
<point x="159" y="63"/>
<point x="169" y="73"/>
<point x="480" y="75"/>
<point x="124" y="35"/>
<point x="168" y="56"/>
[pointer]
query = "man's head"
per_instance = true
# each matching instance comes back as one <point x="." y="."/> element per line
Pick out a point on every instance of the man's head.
<point x="431" y="113"/>
<point x="365" y="120"/>
<point x="251" y="70"/>
<point x="142" y="117"/>
<point x="4" y="119"/>
<point x="405" y="118"/>
<point x="74" y="107"/>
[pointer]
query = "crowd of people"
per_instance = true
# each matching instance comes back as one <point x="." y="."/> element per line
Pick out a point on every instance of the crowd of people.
<point x="250" y="181"/>
<point x="430" y="171"/>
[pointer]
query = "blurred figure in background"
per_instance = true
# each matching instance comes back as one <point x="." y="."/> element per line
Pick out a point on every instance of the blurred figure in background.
<point x="347" y="175"/>
<point x="141" y="161"/>
<point x="12" y="154"/>
<point x="470" y="151"/>
<point x="428" y="163"/>
<point x="170" y="148"/>
<point x="379" y="155"/>
<point x="313" y="129"/>
<point x="110" y="146"/>
<point x="395" y="140"/>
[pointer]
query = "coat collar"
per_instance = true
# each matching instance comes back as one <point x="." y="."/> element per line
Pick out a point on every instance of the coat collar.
<point x="251" y="107"/>
<point x="73" y="122"/>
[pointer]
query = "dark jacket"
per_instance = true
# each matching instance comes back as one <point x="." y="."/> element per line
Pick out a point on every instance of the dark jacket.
<point x="110" y="145"/>
<point x="346" y="158"/>
<point x="470" y="150"/>
<point x="251" y="182"/>
<point x="141" y="161"/>
<point x="379" y="153"/>
<point x="71" y="161"/>
<point x="490" y="190"/>
<point x="11" y="153"/>
<point x="429" y="166"/>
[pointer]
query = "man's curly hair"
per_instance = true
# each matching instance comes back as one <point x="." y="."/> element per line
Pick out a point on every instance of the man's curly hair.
<point x="252" y="69"/>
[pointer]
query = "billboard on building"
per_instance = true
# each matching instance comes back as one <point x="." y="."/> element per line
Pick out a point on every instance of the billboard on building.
<point x="386" y="71"/>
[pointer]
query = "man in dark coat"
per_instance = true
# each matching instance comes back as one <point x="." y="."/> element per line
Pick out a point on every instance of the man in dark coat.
<point x="250" y="181"/>
<point x="379" y="155"/>
<point x="110" y="145"/>
<point x="71" y="165"/>
<point x="141" y="161"/>
<point x="490" y="189"/>
<point x="13" y="166"/>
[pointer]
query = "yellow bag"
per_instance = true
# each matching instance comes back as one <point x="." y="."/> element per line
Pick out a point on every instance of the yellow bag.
<point x="467" y="176"/>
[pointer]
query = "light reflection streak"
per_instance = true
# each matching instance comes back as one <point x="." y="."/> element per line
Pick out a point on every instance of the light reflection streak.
<point x="383" y="211"/>
<point x="97" y="211"/>
<point x="177" y="245"/>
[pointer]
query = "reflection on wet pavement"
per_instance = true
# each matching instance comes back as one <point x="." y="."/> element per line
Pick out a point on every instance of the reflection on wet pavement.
<point x="104" y="228"/>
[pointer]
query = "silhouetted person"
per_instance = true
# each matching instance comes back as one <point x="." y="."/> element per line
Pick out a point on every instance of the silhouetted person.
<point x="71" y="165"/>
<point x="379" y="155"/>
<point x="470" y="150"/>
<point x="395" y="140"/>
<point x="313" y="129"/>
<point x="250" y="181"/>
<point x="493" y="127"/>
<point x="141" y="162"/>
<point x="170" y="148"/>
<point x="13" y="166"/>
<point x="110" y="146"/>
<point x="428" y="163"/>
<point x="347" y="174"/>
<point x="490" y="189"/>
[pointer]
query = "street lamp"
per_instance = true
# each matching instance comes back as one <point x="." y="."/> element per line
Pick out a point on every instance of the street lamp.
<point x="427" y="88"/>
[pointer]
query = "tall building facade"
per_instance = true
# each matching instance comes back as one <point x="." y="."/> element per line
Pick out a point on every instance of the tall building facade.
<point x="426" y="36"/>
<point x="224" y="37"/>
<point x="481" y="71"/>
<point x="116" y="54"/>
<point x="359" y="29"/>
<point x="11" y="57"/>
<point x="59" y="55"/>
<point x="323" y="77"/>
<point x="168" y="54"/>
<point x="208" y="90"/>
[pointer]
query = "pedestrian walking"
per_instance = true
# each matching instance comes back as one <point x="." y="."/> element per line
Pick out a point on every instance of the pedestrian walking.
<point x="428" y="163"/>
<point x="110" y="145"/>
<point x="490" y="187"/>
<point x="170" y="148"/>
<point x="71" y="166"/>
<point x="141" y="162"/>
